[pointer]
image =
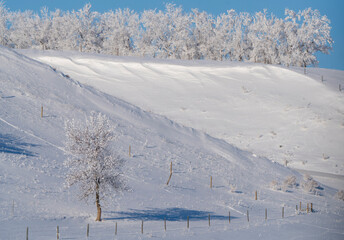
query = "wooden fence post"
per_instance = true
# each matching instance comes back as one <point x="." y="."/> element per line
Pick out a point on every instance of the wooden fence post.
<point x="42" y="111"/>
<point x="116" y="228"/>
<point x="255" y="195"/>
<point x="300" y="207"/>
<point x="88" y="230"/>
<point x="322" y="78"/>
<point x="168" y="181"/>
<point x="211" y="182"/>
<point x="187" y="223"/>
<point x="209" y="219"/>
<point x="266" y="214"/>
<point x="142" y="227"/>
<point x="248" y="217"/>
<point x="282" y="212"/>
<point x="57" y="233"/>
<point x="27" y="233"/>
<point x="311" y="207"/>
<point x="307" y="207"/>
<point x="229" y="217"/>
<point x="129" y="150"/>
<point x="165" y="224"/>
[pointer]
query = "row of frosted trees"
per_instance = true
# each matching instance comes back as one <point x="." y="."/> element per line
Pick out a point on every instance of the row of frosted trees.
<point x="173" y="33"/>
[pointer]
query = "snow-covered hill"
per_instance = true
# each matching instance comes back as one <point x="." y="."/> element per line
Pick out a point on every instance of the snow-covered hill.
<point x="278" y="113"/>
<point x="167" y="112"/>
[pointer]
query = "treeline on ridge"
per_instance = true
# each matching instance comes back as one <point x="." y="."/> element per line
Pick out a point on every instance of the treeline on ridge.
<point x="173" y="33"/>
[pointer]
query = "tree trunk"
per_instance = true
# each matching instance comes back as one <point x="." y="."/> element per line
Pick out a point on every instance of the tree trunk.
<point x="99" y="210"/>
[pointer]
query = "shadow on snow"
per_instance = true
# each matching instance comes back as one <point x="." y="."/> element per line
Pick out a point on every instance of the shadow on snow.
<point x="11" y="144"/>
<point x="171" y="214"/>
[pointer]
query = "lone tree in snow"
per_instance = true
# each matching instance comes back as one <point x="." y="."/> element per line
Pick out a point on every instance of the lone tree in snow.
<point x="92" y="165"/>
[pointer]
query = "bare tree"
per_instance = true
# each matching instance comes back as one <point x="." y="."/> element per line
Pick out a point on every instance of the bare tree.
<point x="92" y="165"/>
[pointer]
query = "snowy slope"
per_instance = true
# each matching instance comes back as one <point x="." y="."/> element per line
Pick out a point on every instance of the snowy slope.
<point x="275" y="112"/>
<point x="32" y="171"/>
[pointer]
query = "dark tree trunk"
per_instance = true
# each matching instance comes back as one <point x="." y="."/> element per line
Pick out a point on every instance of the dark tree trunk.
<point x="99" y="210"/>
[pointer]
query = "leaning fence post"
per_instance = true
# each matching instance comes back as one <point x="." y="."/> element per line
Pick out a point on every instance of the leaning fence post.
<point x="88" y="230"/>
<point x="266" y="214"/>
<point x="168" y="181"/>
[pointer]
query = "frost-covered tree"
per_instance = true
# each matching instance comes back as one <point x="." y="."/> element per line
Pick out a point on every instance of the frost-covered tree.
<point x="239" y="44"/>
<point x="88" y="33"/>
<point x="265" y="34"/>
<point x="22" y="25"/>
<point x="3" y="24"/>
<point x="43" y="29"/>
<point x="92" y="165"/>
<point x="204" y="35"/>
<point x="63" y="34"/>
<point x="152" y="33"/>
<point x="158" y="32"/>
<point x="315" y="36"/>
<point x="178" y="36"/>
<point x="224" y="29"/>
<point x="118" y="31"/>
<point x="307" y="32"/>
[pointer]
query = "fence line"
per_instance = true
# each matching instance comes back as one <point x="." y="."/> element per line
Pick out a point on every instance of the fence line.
<point x="60" y="232"/>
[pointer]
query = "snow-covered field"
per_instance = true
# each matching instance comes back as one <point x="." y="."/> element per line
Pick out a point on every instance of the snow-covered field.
<point x="236" y="122"/>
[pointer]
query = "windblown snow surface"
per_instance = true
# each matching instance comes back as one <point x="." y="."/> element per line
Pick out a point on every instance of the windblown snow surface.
<point x="238" y="123"/>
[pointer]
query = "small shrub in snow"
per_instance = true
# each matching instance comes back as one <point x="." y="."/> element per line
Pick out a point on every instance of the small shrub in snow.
<point x="340" y="195"/>
<point x="307" y="177"/>
<point x="233" y="188"/>
<point x="274" y="185"/>
<point x="310" y="185"/>
<point x="289" y="182"/>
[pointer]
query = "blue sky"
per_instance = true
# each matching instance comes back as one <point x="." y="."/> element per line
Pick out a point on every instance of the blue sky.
<point x="333" y="9"/>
